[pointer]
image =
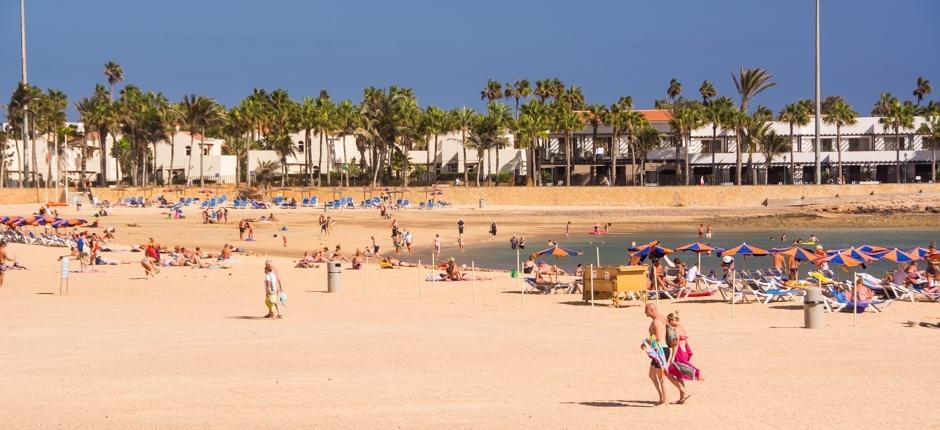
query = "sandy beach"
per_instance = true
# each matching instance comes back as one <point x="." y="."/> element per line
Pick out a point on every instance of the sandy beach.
<point x="189" y="349"/>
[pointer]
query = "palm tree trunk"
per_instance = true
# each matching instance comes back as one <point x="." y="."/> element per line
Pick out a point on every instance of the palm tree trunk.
<point x="103" y="157"/>
<point x="202" y="173"/>
<point x="897" y="147"/>
<point x="479" y="166"/>
<point x="568" y="159"/>
<point x="189" y="162"/>
<point x="643" y="170"/>
<point x="933" y="164"/>
<point x="714" y="166"/>
<point x="497" y="166"/>
<point x="767" y="176"/>
<point x="678" y="171"/>
<point x="345" y="164"/>
<point x="433" y="172"/>
<point x="792" y="161"/>
<point x="308" y="157"/>
<point x="375" y="166"/>
<point x="614" y="152"/>
<point x="35" y="173"/>
<point x="463" y="141"/>
<point x="320" y="162"/>
<point x="750" y="165"/>
<point x="173" y="156"/>
<point x="685" y="145"/>
<point x="737" y="167"/>
<point x="839" y="152"/>
<point x="632" y="149"/>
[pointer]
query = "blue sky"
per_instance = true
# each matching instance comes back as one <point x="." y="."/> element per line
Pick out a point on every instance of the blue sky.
<point x="447" y="50"/>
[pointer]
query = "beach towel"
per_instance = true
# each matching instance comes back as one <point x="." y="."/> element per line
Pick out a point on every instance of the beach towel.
<point x="682" y="366"/>
<point x="654" y="352"/>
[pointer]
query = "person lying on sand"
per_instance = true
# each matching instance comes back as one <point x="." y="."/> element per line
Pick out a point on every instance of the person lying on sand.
<point x="307" y="262"/>
<point x="389" y="262"/>
<point x="357" y="260"/>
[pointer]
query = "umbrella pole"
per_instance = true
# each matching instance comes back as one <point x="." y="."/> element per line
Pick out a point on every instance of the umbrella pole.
<point x="699" y="254"/>
<point x="473" y="276"/>
<point x="655" y="282"/>
<point x="733" y="292"/>
<point x="855" y="300"/>
<point x="598" y="250"/>
<point x="591" y="274"/>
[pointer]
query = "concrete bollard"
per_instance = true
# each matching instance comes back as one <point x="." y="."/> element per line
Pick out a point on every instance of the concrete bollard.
<point x="813" y="308"/>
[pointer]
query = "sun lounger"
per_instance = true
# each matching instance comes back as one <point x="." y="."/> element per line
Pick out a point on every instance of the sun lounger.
<point x="549" y="289"/>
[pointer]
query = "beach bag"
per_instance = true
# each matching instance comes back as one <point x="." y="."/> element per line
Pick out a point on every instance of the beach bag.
<point x="282" y="298"/>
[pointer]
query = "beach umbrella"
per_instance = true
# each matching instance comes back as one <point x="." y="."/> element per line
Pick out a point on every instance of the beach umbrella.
<point x="843" y="259"/>
<point x="4" y="219"/>
<point x="698" y="248"/>
<point x="745" y="250"/>
<point x="896" y="256"/>
<point x="872" y="249"/>
<point x="857" y="254"/>
<point x="557" y="251"/>
<point x="919" y="252"/>
<point x="650" y="250"/>
<point x="13" y="220"/>
<point x="72" y="222"/>
<point x="59" y="223"/>
<point x="795" y="252"/>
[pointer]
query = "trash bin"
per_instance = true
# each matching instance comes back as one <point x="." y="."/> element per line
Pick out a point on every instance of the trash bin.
<point x="813" y="307"/>
<point x="481" y="202"/>
<point x="334" y="273"/>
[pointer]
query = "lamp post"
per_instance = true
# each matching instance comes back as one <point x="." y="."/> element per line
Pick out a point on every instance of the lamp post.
<point x="818" y="102"/>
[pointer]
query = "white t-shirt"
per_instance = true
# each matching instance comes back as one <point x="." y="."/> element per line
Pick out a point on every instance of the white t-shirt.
<point x="271" y="280"/>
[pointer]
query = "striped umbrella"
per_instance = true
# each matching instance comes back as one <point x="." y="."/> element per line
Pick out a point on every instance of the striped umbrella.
<point x="843" y="259"/>
<point x="919" y="252"/>
<point x="72" y="222"/>
<point x="59" y="223"/>
<point x="860" y="255"/>
<point x="745" y="250"/>
<point x="650" y="250"/>
<point x="13" y="220"/>
<point x="872" y="249"/>
<point x="698" y="248"/>
<point x="557" y="251"/>
<point x="896" y="256"/>
<point x="795" y="252"/>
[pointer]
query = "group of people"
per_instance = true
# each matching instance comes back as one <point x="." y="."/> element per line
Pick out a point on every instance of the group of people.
<point x="156" y="256"/>
<point x="216" y="216"/>
<point x="313" y="258"/>
<point x="670" y="354"/>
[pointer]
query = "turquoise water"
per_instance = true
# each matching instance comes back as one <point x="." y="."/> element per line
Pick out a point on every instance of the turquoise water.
<point x="612" y="248"/>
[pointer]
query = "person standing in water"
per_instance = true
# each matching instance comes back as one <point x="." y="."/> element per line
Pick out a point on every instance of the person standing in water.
<point x="493" y="230"/>
<point x="567" y="228"/>
<point x="272" y="287"/>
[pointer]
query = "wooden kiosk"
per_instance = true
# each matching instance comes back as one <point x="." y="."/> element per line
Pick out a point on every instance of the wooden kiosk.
<point x="616" y="283"/>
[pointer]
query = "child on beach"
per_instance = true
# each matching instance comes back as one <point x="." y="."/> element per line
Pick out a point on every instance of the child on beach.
<point x="460" y="242"/>
<point x="437" y="244"/>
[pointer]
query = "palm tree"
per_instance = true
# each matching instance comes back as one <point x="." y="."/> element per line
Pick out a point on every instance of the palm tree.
<point x="923" y="88"/>
<point x="884" y="104"/>
<point x="898" y="115"/>
<point x="492" y="91"/>
<point x="533" y="125"/>
<point x="686" y="116"/>
<point x="566" y="121"/>
<point x="794" y="114"/>
<point x="749" y="83"/>
<point x="839" y="113"/>
<point x="463" y="119"/>
<point x="647" y="139"/>
<point x="307" y="117"/>
<point x="436" y="123"/>
<point x="265" y="171"/>
<point x="772" y="145"/>
<point x="498" y="114"/>
<point x="115" y="74"/>
<point x="930" y="128"/>
<point x="99" y="114"/>
<point x="717" y="113"/>
<point x="199" y="114"/>
<point x="595" y="117"/>
<point x="345" y="122"/>
<point x="616" y="117"/>
<point x="708" y="92"/>
<point x="518" y="90"/>
<point x="674" y="90"/>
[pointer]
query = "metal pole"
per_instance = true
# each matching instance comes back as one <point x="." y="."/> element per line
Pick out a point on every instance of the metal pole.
<point x="365" y="279"/>
<point x="473" y="277"/>
<point x="25" y="81"/>
<point x="733" y="292"/>
<point x="818" y="103"/>
<point x="591" y="274"/>
<point x="855" y="300"/>
<point x="598" y="250"/>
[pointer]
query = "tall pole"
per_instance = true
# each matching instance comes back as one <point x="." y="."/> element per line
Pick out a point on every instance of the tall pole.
<point x="818" y="175"/>
<point x="25" y="129"/>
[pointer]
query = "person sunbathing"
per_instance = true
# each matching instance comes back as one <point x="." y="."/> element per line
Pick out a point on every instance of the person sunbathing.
<point x="452" y="272"/>
<point x="338" y="256"/>
<point x="398" y="263"/>
<point x="547" y="269"/>
<point x="306" y="262"/>
<point x="357" y="260"/>
<point x="541" y="280"/>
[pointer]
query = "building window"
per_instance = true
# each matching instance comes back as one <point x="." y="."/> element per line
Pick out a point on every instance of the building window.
<point x="205" y="151"/>
<point x="300" y="147"/>
<point x="710" y="146"/>
<point x="189" y="150"/>
<point x="860" y="144"/>
<point x="826" y="145"/>
<point x="891" y="143"/>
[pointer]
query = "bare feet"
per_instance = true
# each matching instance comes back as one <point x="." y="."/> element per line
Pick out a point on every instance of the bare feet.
<point x="683" y="399"/>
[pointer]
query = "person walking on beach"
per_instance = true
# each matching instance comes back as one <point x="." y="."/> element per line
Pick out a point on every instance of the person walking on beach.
<point x="460" y="225"/>
<point x="437" y="244"/>
<point x="701" y="230"/>
<point x="493" y="230"/>
<point x="460" y="244"/>
<point x="681" y="368"/>
<point x="708" y="232"/>
<point x="3" y="260"/>
<point x="272" y="288"/>
<point x="657" y="334"/>
<point x="567" y="228"/>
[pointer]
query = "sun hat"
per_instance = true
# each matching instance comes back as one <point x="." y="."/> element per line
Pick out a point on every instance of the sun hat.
<point x="727" y="259"/>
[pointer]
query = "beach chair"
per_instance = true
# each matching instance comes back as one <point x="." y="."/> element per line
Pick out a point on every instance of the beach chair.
<point x="549" y="289"/>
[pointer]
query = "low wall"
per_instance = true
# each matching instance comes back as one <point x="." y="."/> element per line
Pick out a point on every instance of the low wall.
<point x="559" y="196"/>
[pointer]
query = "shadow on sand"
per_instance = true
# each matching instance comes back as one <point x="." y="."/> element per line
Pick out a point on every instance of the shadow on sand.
<point x="248" y="317"/>
<point x="617" y="404"/>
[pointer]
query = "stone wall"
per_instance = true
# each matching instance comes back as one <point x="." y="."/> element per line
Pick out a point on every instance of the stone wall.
<point x="558" y="196"/>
